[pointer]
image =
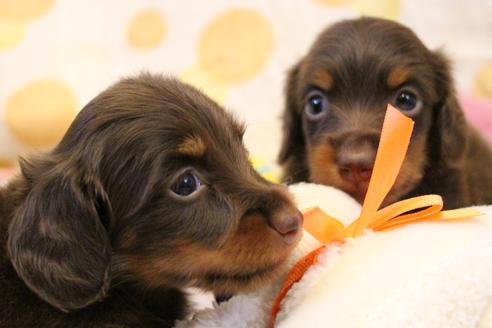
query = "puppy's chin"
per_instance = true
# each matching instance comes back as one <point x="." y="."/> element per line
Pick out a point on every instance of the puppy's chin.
<point x="248" y="279"/>
<point x="252" y="256"/>
<point x="210" y="270"/>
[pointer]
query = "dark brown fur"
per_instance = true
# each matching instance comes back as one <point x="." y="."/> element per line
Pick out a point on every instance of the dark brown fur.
<point x="360" y="65"/>
<point x="92" y="236"/>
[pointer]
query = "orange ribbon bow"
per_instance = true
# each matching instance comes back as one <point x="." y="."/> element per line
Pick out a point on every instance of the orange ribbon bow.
<point x="393" y="145"/>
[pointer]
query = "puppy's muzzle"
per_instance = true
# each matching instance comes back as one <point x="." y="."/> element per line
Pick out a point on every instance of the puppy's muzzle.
<point x="273" y="206"/>
<point x="355" y="155"/>
<point x="287" y="222"/>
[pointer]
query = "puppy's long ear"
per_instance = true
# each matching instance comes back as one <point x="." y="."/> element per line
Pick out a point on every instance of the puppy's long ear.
<point x="57" y="242"/>
<point x="449" y="119"/>
<point x="293" y="149"/>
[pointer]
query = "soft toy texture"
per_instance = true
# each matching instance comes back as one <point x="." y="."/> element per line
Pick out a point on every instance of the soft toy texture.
<point x="429" y="274"/>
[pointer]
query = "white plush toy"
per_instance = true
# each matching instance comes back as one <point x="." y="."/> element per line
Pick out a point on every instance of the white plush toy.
<point x="430" y="274"/>
<point x="415" y="265"/>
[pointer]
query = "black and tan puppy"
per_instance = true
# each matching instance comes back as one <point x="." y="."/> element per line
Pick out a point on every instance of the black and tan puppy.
<point x="336" y="100"/>
<point x="149" y="191"/>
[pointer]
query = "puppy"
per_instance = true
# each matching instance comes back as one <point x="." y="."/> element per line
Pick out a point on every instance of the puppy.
<point x="149" y="191"/>
<point x="336" y="97"/>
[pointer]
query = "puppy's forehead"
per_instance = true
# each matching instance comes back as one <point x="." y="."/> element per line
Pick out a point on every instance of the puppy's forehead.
<point x="371" y="34"/>
<point x="198" y="123"/>
<point x="364" y="49"/>
<point x="183" y="107"/>
<point x="158" y="112"/>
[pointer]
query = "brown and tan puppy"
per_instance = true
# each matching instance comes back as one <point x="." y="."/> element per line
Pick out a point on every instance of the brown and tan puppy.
<point x="149" y="191"/>
<point x="336" y="100"/>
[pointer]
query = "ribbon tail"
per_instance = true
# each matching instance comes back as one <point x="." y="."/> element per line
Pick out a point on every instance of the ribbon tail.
<point x="451" y="215"/>
<point x="458" y="214"/>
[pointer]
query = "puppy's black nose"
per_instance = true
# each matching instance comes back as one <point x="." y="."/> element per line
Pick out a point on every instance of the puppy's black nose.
<point x="287" y="224"/>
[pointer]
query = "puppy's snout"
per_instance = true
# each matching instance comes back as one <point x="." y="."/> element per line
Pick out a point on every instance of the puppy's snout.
<point x="287" y="223"/>
<point x="273" y="209"/>
<point x="355" y="158"/>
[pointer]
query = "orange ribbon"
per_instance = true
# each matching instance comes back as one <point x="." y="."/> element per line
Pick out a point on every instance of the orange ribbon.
<point x="393" y="145"/>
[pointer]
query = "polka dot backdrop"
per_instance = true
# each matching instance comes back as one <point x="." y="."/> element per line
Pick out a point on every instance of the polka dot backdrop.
<point x="55" y="55"/>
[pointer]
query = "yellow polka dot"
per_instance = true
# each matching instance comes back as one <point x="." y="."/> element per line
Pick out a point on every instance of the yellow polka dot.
<point x="382" y="8"/>
<point x="201" y="80"/>
<point x="39" y="113"/>
<point x="270" y="174"/>
<point x="6" y="162"/>
<point x="334" y="2"/>
<point x="11" y="33"/>
<point x="483" y="81"/>
<point x="235" y="46"/>
<point x="272" y="177"/>
<point x="24" y="10"/>
<point x="147" y="29"/>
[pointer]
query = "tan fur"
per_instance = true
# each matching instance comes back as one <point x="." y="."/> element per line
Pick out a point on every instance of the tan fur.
<point x="397" y="77"/>
<point x="193" y="146"/>
<point x="322" y="79"/>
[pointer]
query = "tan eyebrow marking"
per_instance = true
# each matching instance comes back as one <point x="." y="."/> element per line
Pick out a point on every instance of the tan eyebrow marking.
<point x="322" y="79"/>
<point x="193" y="146"/>
<point x="397" y="76"/>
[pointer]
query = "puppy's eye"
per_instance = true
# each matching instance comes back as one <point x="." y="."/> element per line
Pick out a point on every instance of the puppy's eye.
<point x="186" y="184"/>
<point x="407" y="101"/>
<point x="316" y="105"/>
